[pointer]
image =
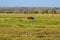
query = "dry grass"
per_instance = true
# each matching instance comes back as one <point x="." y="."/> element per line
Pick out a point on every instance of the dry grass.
<point x="15" y="33"/>
<point x="12" y="27"/>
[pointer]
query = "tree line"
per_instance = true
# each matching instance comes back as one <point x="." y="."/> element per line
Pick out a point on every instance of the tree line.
<point x="32" y="10"/>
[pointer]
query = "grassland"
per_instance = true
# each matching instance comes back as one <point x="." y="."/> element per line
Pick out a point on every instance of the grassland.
<point x="18" y="27"/>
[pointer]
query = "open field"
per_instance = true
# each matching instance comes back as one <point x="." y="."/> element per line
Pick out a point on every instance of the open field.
<point x="18" y="27"/>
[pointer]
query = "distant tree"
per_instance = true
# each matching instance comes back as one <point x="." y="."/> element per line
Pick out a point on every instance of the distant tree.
<point x="49" y="11"/>
<point x="45" y="11"/>
<point x="9" y="11"/>
<point x="26" y="11"/>
<point x="2" y="11"/>
<point x="54" y="11"/>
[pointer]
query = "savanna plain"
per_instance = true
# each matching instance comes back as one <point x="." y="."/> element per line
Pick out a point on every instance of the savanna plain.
<point x="19" y="27"/>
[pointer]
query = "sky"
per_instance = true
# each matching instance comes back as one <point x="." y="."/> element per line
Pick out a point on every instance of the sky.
<point x="29" y="3"/>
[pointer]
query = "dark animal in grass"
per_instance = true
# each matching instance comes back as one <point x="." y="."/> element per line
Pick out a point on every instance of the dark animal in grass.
<point x="30" y="18"/>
